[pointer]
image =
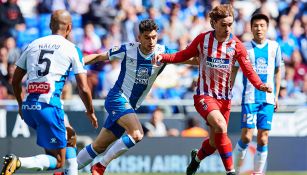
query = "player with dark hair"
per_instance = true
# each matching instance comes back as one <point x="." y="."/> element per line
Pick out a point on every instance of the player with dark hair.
<point x="47" y="61"/>
<point x="258" y="107"/>
<point x="217" y="50"/>
<point x="136" y="77"/>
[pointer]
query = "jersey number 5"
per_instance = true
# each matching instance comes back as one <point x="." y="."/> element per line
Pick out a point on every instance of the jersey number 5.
<point x="42" y="60"/>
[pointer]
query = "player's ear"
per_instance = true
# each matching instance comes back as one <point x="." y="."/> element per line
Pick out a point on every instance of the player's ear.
<point x="139" y="37"/>
<point x="68" y="29"/>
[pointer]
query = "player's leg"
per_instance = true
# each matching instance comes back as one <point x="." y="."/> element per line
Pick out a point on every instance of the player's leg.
<point x="222" y="141"/>
<point x="264" y="121"/>
<point x="100" y="144"/>
<point x="197" y="155"/>
<point x="240" y="150"/>
<point x="48" y="122"/>
<point x="203" y="105"/>
<point x="134" y="134"/>
<point x="262" y="151"/>
<point x="71" y="165"/>
<point x="248" y="123"/>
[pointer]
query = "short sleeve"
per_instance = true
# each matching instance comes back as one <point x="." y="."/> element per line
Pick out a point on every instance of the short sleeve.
<point x="117" y="52"/>
<point x="22" y="61"/>
<point x="77" y="62"/>
<point x="278" y="59"/>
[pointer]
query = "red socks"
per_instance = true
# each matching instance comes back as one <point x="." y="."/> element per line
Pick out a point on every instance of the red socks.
<point x="205" y="150"/>
<point x="223" y="145"/>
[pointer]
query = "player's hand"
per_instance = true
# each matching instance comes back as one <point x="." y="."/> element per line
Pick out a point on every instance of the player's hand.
<point x="156" y="60"/>
<point x="265" y="88"/>
<point x="93" y="119"/>
<point x="276" y="106"/>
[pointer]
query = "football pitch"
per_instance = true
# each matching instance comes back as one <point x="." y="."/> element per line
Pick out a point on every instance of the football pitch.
<point x="268" y="173"/>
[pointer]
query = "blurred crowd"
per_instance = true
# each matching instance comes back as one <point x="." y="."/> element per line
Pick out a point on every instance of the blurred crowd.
<point x="99" y="25"/>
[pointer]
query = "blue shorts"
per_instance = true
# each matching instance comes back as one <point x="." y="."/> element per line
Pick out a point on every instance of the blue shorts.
<point x="260" y="114"/>
<point x="117" y="106"/>
<point x="48" y="121"/>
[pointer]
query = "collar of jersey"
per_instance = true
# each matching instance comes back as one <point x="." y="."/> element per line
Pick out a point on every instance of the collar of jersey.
<point x="147" y="57"/>
<point x="260" y="45"/>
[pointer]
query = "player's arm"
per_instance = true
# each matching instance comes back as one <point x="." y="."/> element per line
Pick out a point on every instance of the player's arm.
<point x="86" y="97"/>
<point x="181" y="56"/>
<point x="192" y="61"/>
<point x="17" y="87"/>
<point x="248" y="70"/>
<point x="277" y="85"/>
<point x="93" y="58"/>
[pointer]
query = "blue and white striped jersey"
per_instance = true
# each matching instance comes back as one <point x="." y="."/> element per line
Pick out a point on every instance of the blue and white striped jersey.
<point x="137" y="73"/>
<point x="47" y="61"/>
<point x="265" y="58"/>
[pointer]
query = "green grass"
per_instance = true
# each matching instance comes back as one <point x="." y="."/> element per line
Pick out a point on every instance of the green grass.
<point x="269" y="173"/>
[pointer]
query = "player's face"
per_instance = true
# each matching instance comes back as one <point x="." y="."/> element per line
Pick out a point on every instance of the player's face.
<point x="259" y="29"/>
<point x="223" y="27"/>
<point x="148" y="40"/>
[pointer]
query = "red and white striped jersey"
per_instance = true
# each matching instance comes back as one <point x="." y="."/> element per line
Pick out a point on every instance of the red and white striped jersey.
<point x="216" y="60"/>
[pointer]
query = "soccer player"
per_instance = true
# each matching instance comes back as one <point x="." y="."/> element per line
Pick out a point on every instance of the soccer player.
<point x="47" y="61"/>
<point x="134" y="82"/>
<point x="217" y="51"/>
<point x="257" y="106"/>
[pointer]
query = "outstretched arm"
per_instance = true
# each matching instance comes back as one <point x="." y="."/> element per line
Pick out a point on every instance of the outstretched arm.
<point x="181" y="56"/>
<point x="93" y="58"/>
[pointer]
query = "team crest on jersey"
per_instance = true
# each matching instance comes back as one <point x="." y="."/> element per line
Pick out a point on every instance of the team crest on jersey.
<point x="142" y="76"/>
<point x="115" y="48"/>
<point x="262" y="66"/>
<point x="230" y="51"/>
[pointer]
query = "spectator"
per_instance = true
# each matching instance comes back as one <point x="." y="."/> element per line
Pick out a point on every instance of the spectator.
<point x="193" y="129"/>
<point x="156" y="126"/>
<point x="287" y="41"/>
<point x="102" y="13"/>
<point x="303" y="39"/>
<point x="13" y="51"/>
<point x="91" y="42"/>
<point x="48" y="6"/>
<point x="11" y="19"/>
<point x="130" y="26"/>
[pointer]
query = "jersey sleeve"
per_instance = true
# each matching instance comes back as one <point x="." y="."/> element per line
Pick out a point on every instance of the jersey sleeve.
<point x="278" y="59"/>
<point x="185" y="54"/>
<point x="247" y="69"/>
<point x="22" y="61"/>
<point x="77" y="62"/>
<point x="117" y="52"/>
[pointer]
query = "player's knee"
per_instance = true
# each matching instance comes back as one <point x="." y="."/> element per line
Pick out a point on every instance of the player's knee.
<point x="71" y="137"/>
<point x="220" y="127"/>
<point x="245" y="139"/>
<point x="137" y="136"/>
<point x="262" y="141"/>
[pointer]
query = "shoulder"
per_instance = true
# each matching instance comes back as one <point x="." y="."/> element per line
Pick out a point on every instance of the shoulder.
<point x="273" y="43"/>
<point x="248" y="44"/>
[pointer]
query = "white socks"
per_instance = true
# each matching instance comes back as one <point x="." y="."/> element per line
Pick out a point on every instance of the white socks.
<point x="38" y="163"/>
<point x="71" y="165"/>
<point x="118" y="148"/>
<point x="239" y="154"/>
<point x="260" y="158"/>
<point x="86" y="156"/>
